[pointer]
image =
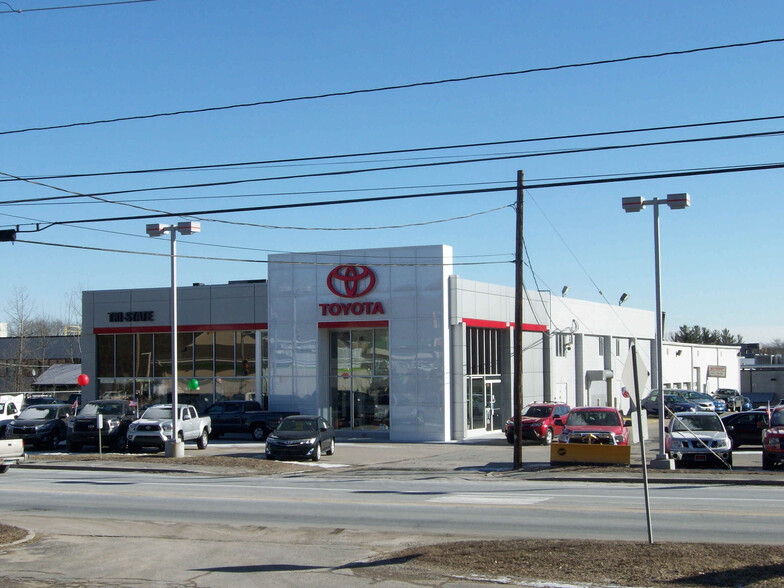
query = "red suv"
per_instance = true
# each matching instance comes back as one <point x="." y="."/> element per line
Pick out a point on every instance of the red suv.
<point x="538" y="422"/>
<point x="773" y="440"/>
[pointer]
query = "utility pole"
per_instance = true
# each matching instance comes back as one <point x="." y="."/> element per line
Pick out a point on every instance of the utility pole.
<point x="518" y="326"/>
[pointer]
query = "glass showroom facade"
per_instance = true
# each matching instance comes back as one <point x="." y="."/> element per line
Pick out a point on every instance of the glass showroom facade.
<point x="138" y="366"/>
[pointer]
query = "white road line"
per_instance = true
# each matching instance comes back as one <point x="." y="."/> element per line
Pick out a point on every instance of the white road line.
<point x="489" y="499"/>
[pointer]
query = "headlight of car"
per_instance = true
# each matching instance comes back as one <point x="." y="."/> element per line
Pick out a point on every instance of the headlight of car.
<point x="112" y="424"/>
<point x="676" y="444"/>
<point x="311" y="441"/>
<point x="70" y="423"/>
<point x="724" y="443"/>
<point x="132" y="427"/>
<point x="44" y="426"/>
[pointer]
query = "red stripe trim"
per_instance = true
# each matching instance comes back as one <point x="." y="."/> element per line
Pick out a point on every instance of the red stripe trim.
<point x="503" y="325"/>
<point x="180" y="328"/>
<point x="353" y="324"/>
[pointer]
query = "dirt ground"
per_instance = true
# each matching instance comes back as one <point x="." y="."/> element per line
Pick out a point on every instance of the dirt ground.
<point x="618" y="563"/>
<point x="572" y="561"/>
<point x="531" y="560"/>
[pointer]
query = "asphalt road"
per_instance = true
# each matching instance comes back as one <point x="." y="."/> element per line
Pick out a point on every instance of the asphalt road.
<point x="128" y="528"/>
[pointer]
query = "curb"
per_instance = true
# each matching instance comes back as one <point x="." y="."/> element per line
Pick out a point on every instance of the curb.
<point x="533" y="476"/>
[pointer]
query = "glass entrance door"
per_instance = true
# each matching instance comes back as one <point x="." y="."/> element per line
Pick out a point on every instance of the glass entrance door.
<point x="492" y="414"/>
<point x="359" y="379"/>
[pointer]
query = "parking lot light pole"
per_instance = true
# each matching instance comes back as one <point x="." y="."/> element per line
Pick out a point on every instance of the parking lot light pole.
<point x="636" y="204"/>
<point x="174" y="448"/>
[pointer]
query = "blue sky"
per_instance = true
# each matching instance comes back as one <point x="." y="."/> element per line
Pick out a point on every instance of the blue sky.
<point x="720" y="258"/>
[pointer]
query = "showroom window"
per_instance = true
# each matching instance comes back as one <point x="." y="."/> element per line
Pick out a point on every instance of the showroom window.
<point x="138" y="367"/>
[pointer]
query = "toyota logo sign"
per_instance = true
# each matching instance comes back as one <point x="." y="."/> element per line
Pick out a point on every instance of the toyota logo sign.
<point x="351" y="281"/>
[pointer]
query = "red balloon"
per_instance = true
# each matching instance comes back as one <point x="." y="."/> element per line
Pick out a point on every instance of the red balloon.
<point x="83" y="380"/>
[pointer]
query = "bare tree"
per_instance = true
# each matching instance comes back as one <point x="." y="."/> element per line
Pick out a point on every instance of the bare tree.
<point x="774" y="347"/>
<point x="19" y="310"/>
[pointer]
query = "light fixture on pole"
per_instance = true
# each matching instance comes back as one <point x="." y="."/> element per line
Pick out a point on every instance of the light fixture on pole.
<point x="174" y="448"/>
<point x="624" y="298"/>
<point x="636" y="204"/>
<point x="564" y="290"/>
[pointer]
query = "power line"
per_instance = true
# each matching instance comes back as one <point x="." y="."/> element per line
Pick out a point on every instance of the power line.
<point x="594" y="181"/>
<point x="239" y="260"/>
<point x="402" y="167"/>
<point x="46" y="9"/>
<point x="216" y="166"/>
<point x="398" y="86"/>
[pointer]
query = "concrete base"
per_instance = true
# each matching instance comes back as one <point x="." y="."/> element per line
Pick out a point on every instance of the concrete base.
<point x="175" y="449"/>
<point x="662" y="462"/>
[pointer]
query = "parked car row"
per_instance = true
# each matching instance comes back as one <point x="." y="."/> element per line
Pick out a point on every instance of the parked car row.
<point x="114" y="424"/>
<point x="683" y="400"/>
<point x="693" y="436"/>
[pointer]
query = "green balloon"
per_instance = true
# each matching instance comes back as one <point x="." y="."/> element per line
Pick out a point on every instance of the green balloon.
<point x="193" y="384"/>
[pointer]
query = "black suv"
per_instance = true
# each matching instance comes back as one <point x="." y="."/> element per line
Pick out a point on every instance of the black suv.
<point x="40" y="425"/>
<point x="116" y="414"/>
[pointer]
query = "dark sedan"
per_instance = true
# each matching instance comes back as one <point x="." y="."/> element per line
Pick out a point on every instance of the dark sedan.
<point x="746" y="428"/>
<point x="672" y="401"/>
<point x="301" y="437"/>
<point x="42" y="425"/>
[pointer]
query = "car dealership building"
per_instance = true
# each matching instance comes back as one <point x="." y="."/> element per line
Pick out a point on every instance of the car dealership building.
<point x="386" y="343"/>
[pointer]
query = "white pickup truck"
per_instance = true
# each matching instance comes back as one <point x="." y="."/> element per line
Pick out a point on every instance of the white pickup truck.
<point x="10" y="407"/>
<point x="154" y="428"/>
<point x="11" y="453"/>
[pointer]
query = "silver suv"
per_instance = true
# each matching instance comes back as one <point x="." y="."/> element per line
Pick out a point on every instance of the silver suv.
<point x="698" y="437"/>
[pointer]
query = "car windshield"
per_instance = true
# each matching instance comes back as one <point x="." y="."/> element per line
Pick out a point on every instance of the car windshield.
<point x="113" y="409"/>
<point x="38" y="413"/>
<point x="157" y="413"/>
<point x="690" y="394"/>
<point x="602" y="418"/>
<point x="537" y="411"/>
<point x="777" y="420"/>
<point x="706" y="421"/>
<point x="673" y="398"/>
<point x="298" y="425"/>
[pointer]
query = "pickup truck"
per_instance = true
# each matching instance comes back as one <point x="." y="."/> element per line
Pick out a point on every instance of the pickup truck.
<point x="733" y="398"/>
<point x="244" y="416"/>
<point x="154" y="428"/>
<point x="10" y="405"/>
<point x="11" y="452"/>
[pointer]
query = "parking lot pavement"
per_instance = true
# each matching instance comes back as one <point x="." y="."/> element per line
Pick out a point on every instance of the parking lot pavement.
<point x="488" y="455"/>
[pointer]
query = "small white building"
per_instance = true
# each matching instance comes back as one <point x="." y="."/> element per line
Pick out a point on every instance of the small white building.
<point x="385" y="343"/>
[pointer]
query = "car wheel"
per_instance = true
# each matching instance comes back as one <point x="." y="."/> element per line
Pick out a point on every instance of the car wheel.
<point x="510" y="439"/>
<point x="180" y="438"/>
<point x="133" y="448"/>
<point x="548" y="437"/>
<point x="767" y="461"/>
<point x="203" y="439"/>
<point x="331" y="450"/>
<point x="729" y="460"/>
<point x="121" y="445"/>
<point x="317" y="452"/>
<point x="71" y="447"/>
<point x="4" y="468"/>
<point x="258" y="432"/>
<point x="55" y="441"/>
